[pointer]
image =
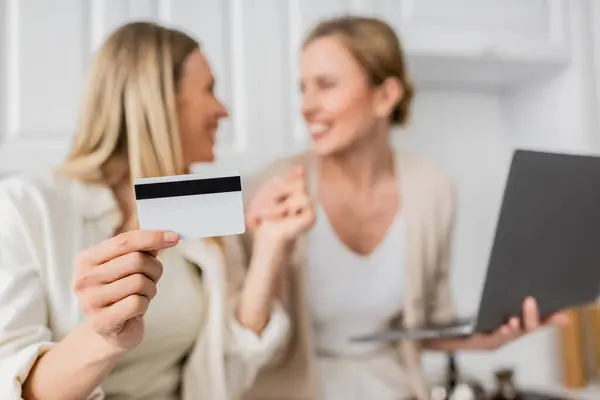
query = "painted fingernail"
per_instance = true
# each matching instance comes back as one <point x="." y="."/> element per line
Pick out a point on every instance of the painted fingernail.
<point x="170" y="237"/>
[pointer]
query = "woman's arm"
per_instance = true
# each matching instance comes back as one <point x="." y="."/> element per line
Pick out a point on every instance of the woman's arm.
<point x="32" y="365"/>
<point x="260" y="328"/>
<point x="261" y="283"/>
<point x="279" y="212"/>
<point x="115" y="282"/>
<point x="73" y="368"/>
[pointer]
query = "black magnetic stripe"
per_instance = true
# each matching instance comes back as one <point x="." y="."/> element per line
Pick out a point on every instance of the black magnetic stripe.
<point x="187" y="187"/>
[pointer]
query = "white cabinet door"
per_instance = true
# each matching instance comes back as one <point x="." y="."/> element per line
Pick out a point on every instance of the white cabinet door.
<point x="43" y="52"/>
<point x="46" y="47"/>
<point x="44" y="55"/>
<point x="487" y="44"/>
<point x="530" y="28"/>
<point x="500" y="41"/>
<point x="254" y="48"/>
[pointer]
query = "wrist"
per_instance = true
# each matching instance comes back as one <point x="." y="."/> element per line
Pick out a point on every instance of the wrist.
<point x="253" y="307"/>
<point x="84" y="359"/>
<point x="270" y="245"/>
<point x="101" y="349"/>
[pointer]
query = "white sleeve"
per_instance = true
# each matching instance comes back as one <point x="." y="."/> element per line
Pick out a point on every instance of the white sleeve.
<point x="24" y="334"/>
<point x="228" y="357"/>
<point x="246" y="352"/>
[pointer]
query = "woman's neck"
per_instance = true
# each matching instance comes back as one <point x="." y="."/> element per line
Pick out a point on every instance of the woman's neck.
<point x="116" y="169"/>
<point x="124" y="196"/>
<point x="361" y="167"/>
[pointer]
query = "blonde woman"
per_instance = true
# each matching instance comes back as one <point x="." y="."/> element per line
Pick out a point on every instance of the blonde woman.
<point x="379" y="252"/>
<point x="91" y="307"/>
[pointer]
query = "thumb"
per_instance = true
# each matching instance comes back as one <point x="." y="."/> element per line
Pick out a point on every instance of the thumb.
<point x="252" y="220"/>
<point x="560" y="318"/>
<point x="296" y="173"/>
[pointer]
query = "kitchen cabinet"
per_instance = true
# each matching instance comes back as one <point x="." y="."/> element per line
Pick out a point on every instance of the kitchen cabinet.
<point x="479" y="43"/>
<point x="254" y="48"/>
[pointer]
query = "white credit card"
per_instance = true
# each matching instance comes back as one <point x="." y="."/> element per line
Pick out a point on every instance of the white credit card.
<point x="193" y="205"/>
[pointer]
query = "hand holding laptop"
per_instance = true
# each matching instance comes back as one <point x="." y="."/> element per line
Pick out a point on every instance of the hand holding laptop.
<point x="506" y="333"/>
<point x="545" y="247"/>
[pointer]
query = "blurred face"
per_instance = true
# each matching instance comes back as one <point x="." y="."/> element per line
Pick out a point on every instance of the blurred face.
<point x="340" y="106"/>
<point x="199" y="110"/>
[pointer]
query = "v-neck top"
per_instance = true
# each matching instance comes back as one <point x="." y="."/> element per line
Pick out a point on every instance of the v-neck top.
<point x="352" y="294"/>
<point x="427" y="219"/>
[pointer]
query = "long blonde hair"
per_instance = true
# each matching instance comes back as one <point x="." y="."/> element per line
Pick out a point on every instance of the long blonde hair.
<point x="129" y="111"/>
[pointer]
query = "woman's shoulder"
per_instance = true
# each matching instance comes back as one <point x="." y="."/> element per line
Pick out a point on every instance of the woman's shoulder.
<point x="31" y="206"/>
<point x="47" y="194"/>
<point x="427" y="173"/>
<point x="27" y="191"/>
<point x="33" y="189"/>
<point x="431" y="186"/>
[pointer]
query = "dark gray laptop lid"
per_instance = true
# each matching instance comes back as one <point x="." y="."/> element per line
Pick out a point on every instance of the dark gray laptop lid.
<point x="547" y="241"/>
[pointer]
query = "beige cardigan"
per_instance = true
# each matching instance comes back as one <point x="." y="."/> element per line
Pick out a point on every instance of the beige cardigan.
<point x="428" y="206"/>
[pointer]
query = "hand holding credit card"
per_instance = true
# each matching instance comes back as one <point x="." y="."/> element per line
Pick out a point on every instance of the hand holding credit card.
<point x="192" y="205"/>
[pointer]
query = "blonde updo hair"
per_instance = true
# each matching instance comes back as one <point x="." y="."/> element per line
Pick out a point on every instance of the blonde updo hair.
<point x="376" y="47"/>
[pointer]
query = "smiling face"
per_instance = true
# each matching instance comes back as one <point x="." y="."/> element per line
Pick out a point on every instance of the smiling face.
<point x="354" y="85"/>
<point x="337" y="97"/>
<point x="199" y="110"/>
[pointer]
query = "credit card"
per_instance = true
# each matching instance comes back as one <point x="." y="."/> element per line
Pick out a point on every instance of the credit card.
<point x="192" y="205"/>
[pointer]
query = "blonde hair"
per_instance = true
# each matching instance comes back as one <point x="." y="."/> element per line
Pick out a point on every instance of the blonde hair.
<point x="376" y="47"/>
<point x="129" y="112"/>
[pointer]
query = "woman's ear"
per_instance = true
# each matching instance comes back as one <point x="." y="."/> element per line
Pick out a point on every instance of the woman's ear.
<point x="388" y="96"/>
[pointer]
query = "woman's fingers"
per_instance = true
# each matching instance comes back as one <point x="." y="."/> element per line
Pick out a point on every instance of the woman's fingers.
<point x="276" y="212"/>
<point x="132" y="263"/>
<point x="262" y="204"/>
<point x="115" y="281"/>
<point x="269" y="190"/>
<point x="296" y="173"/>
<point x="288" y="190"/>
<point x="514" y="324"/>
<point x="111" y="320"/>
<point x="559" y="318"/>
<point x="530" y="314"/>
<point x="278" y="198"/>
<point x="101" y="286"/>
<point x="297" y="203"/>
<point x="99" y="297"/>
<point x="125" y="243"/>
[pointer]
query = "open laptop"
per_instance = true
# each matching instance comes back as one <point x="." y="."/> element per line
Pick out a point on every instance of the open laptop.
<point x="546" y="245"/>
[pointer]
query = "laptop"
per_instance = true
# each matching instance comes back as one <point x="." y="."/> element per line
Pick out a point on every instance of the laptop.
<point x="546" y="245"/>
